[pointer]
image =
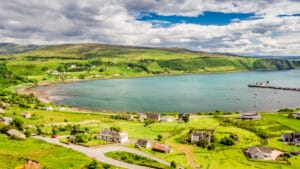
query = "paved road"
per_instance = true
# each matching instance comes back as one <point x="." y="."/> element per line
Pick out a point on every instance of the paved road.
<point x="98" y="153"/>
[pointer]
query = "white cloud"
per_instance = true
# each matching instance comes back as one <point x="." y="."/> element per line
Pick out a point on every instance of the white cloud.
<point x="114" y="21"/>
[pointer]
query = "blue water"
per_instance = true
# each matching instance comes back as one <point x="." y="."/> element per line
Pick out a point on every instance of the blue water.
<point x="188" y="93"/>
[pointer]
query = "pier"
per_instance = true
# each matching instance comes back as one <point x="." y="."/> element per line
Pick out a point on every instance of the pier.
<point x="265" y="85"/>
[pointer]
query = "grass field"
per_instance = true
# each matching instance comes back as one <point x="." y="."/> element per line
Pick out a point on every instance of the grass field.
<point x="172" y="133"/>
<point x="14" y="153"/>
<point x="135" y="159"/>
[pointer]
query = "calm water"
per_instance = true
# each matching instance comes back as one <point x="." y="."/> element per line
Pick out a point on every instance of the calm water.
<point x="189" y="93"/>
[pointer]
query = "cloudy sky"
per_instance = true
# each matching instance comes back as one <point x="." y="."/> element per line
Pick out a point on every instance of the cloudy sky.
<point x="257" y="27"/>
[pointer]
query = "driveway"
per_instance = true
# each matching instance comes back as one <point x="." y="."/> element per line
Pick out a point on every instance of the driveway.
<point x="98" y="153"/>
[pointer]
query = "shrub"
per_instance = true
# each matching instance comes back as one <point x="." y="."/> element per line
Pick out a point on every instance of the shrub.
<point x="159" y="137"/>
<point x="115" y="128"/>
<point x="173" y="164"/>
<point x="81" y="138"/>
<point x="93" y="165"/>
<point x="186" y="119"/>
<point x="202" y="143"/>
<point x="227" y="141"/>
<point x="27" y="133"/>
<point x="18" y="123"/>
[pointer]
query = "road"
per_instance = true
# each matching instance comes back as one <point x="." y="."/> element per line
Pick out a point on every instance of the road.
<point x="98" y="153"/>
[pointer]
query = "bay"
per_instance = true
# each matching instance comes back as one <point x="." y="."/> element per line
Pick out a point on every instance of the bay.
<point x="185" y="93"/>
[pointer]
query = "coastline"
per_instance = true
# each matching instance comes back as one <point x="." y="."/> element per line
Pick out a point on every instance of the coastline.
<point x="45" y="98"/>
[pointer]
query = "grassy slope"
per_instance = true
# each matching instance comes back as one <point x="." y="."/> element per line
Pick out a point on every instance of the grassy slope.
<point x="223" y="157"/>
<point x="116" y="59"/>
<point x="14" y="153"/>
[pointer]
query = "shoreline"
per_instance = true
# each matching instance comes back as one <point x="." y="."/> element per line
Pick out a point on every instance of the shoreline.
<point x="44" y="97"/>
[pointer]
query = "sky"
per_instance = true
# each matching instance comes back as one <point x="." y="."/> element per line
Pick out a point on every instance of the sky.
<point x="251" y="28"/>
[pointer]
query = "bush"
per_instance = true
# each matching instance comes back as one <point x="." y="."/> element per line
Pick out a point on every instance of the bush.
<point x="211" y="147"/>
<point x="202" y="143"/>
<point x="135" y="159"/>
<point x="115" y="128"/>
<point x="93" y="165"/>
<point x="173" y="164"/>
<point x="81" y="138"/>
<point x="227" y="141"/>
<point x="18" y="123"/>
<point x="159" y="137"/>
<point x="186" y="119"/>
<point x="27" y="133"/>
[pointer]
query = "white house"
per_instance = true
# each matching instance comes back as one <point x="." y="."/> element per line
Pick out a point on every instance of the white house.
<point x="250" y="116"/>
<point x="49" y="108"/>
<point x="165" y="119"/>
<point x="26" y="115"/>
<point x="112" y="136"/>
<point x="297" y="115"/>
<point x="263" y="153"/>
<point x="5" y="120"/>
<point x="196" y="137"/>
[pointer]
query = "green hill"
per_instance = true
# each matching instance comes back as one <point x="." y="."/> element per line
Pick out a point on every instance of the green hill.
<point x="9" y="48"/>
<point x="80" y="61"/>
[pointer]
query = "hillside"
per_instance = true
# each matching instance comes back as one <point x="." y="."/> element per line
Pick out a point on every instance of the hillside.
<point x="81" y="61"/>
<point x="9" y="48"/>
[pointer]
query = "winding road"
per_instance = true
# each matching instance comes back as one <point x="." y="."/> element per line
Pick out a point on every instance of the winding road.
<point x="98" y="153"/>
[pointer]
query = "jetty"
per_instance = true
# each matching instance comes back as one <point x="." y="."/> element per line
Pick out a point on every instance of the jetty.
<point x="265" y="84"/>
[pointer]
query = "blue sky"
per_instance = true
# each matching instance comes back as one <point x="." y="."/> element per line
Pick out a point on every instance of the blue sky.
<point x="206" y="18"/>
<point x="264" y="27"/>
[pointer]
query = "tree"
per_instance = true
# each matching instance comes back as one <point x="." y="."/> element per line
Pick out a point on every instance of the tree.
<point x="115" y="128"/>
<point x="61" y="68"/>
<point x="159" y="137"/>
<point x="81" y="76"/>
<point x="93" y="165"/>
<point x="81" y="138"/>
<point x="27" y="133"/>
<point x="173" y="164"/>
<point x="18" y="123"/>
<point x="211" y="147"/>
<point x="202" y="143"/>
<point x="54" y="130"/>
<point x="148" y="123"/>
<point x="45" y="69"/>
<point x="227" y="141"/>
<point x="291" y="115"/>
<point x="186" y="119"/>
<point x="38" y="130"/>
<point x="218" y="111"/>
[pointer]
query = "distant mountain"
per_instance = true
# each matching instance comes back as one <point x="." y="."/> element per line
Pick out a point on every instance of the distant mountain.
<point x="11" y="48"/>
<point x="276" y="57"/>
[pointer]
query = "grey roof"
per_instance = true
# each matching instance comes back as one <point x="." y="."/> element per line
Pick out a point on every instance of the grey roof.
<point x="254" y="150"/>
<point x="153" y="116"/>
<point x="142" y="142"/>
<point x="287" y="135"/>
<point x="291" y="135"/>
<point x="112" y="133"/>
<point x="15" y="133"/>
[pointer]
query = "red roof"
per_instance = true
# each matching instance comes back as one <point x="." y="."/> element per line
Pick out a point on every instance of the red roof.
<point x="161" y="147"/>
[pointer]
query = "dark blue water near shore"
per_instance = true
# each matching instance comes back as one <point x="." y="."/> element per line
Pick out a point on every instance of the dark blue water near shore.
<point x="188" y="93"/>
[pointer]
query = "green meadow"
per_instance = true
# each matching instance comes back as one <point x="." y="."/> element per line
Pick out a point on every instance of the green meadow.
<point x="273" y="124"/>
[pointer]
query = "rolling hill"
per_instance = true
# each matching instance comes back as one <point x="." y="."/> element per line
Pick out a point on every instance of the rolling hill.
<point x="90" y="61"/>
